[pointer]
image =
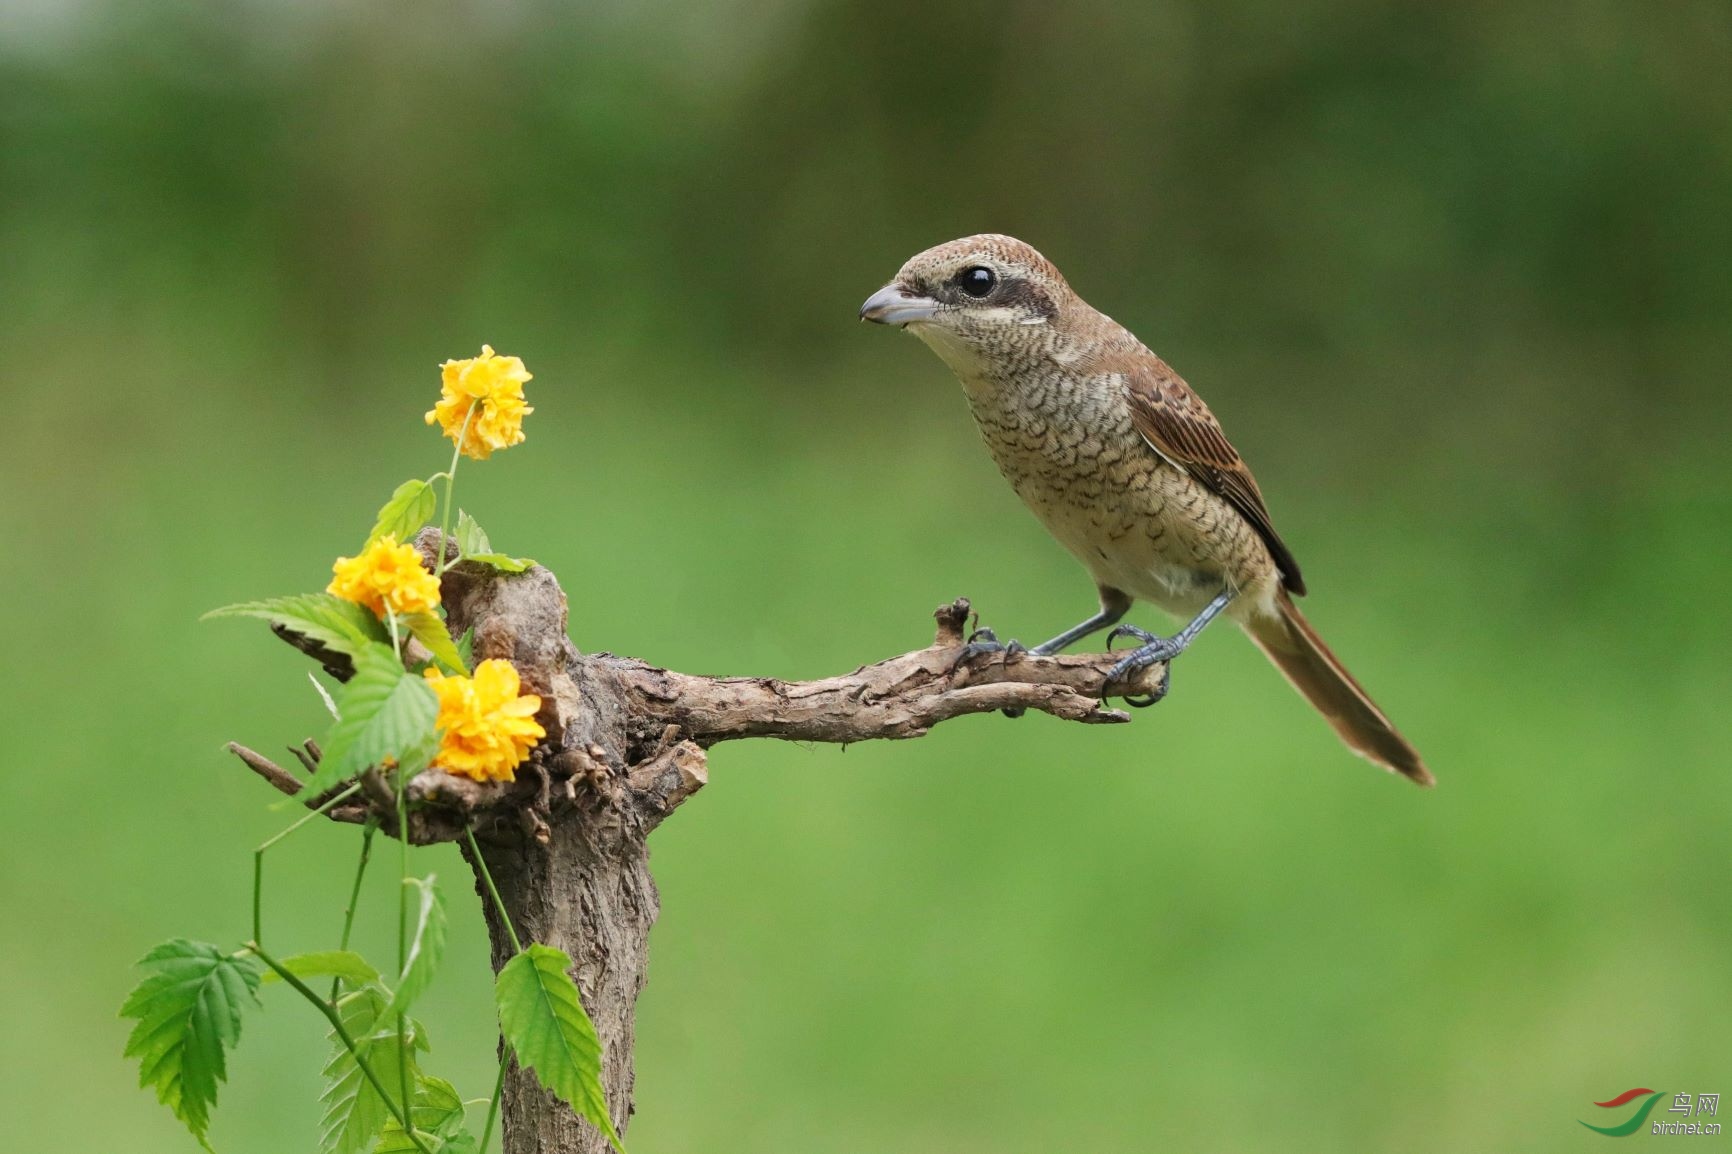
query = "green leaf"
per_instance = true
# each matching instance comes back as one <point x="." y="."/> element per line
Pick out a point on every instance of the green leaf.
<point x="456" y="1142"/>
<point x="438" y="1120"/>
<point x="355" y="1114"/>
<point x="426" y="947"/>
<point x="345" y="964"/>
<point x="392" y="1140"/>
<point x="337" y="624"/>
<point x="429" y="629"/>
<point x="410" y="507"/>
<point x="544" y="1021"/>
<point x="473" y="545"/>
<point x="471" y="538"/>
<point x="385" y="712"/>
<point x="503" y="563"/>
<point x="189" y="1014"/>
<point x="466" y="647"/>
<point x="418" y="755"/>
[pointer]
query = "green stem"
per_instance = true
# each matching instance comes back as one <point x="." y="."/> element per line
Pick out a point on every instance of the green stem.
<point x="498" y="902"/>
<point x="517" y="947"/>
<point x="403" y="914"/>
<point x="493" y="1102"/>
<point x="336" y="1020"/>
<point x="439" y="563"/>
<point x="355" y="896"/>
<point x="403" y="881"/>
<point x="259" y="854"/>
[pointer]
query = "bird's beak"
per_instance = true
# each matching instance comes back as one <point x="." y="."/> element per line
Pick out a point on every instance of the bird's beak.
<point x="895" y="305"/>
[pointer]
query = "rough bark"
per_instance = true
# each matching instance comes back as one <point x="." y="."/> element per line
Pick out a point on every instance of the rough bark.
<point x="587" y="890"/>
<point x="566" y="842"/>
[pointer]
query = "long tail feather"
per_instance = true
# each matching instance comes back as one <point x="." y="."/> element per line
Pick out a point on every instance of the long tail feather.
<point x="1298" y="652"/>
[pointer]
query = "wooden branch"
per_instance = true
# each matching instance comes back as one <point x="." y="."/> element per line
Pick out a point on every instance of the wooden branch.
<point x="288" y="784"/>
<point x="671" y="718"/>
<point x="279" y="778"/>
<point x="899" y="697"/>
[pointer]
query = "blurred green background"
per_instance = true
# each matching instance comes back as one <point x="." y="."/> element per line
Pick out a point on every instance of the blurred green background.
<point x="1456" y="278"/>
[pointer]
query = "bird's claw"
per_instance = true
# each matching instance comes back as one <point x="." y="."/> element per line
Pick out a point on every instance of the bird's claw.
<point x="984" y="641"/>
<point x="1127" y="630"/>
<point x="1153" y="649"/>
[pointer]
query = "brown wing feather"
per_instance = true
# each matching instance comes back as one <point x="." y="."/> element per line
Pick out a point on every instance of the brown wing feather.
<point x="1179" y="426"/>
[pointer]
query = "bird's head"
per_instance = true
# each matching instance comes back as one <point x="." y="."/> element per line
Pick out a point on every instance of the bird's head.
<point x="978" y="298"/>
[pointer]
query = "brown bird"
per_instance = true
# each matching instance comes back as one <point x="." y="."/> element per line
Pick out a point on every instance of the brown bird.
<point x="1126" y="466"/>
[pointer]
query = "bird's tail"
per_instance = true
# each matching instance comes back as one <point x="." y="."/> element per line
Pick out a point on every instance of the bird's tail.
<point x="1298" y="652"/>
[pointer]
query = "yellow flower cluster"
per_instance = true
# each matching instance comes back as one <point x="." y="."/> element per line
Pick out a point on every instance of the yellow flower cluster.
<point x="492" y="386"/>
<point x="385" y="575"/>
<point x="486" y="728"/>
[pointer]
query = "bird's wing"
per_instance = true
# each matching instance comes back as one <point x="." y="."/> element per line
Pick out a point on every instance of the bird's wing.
<point x="1179" y="426"/>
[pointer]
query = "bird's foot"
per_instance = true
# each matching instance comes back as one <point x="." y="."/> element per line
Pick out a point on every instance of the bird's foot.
<point x="984" y="641"/>
<point x="1152" y="650"/>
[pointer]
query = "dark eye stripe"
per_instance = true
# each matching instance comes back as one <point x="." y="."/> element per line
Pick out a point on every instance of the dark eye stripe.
<point x="1024" y="294"/>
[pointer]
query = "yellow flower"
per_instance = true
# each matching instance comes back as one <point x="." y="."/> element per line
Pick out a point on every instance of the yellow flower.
<point x="486" y="728"/>
<point x="493" y="385"/>
<point x="385" y="575"/>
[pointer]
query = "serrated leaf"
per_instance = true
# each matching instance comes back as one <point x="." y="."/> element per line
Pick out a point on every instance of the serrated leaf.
<point x="410" y="507"/>
<point x="545" y="1023"/>
<point x="345" y="964"/>
<point x="503" y="563"/>
<point x="392" y="1140"/>
<point x="189" y="1014"/>
<point x="457" y="1142"/>
<point x="471" y="538"/>
<point x="385" y="712"/>
<point x="466" y="647"/>
<point x="438" y="1120"/>
<point x="429" y="629"/>
<point x="337" y="624"/>
<point x="473" y="545"/>
<point x="355" y="1114"/>
<point x="418" y="755"/>
<point x="428" y="944"/>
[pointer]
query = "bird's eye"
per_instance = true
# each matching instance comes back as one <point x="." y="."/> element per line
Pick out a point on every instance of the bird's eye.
<point x="976" y="281"/>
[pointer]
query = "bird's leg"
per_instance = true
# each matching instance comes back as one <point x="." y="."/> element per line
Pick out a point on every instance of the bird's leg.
<point x="1114" y="605"/>
<point x="1156" y="648"/>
